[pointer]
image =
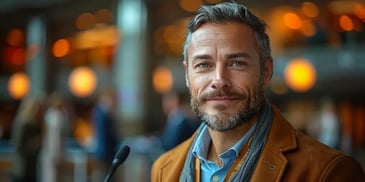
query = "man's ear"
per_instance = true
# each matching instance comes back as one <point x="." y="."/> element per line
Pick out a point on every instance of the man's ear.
<point x="186" y="74"/>
<point x="268" y="71"/>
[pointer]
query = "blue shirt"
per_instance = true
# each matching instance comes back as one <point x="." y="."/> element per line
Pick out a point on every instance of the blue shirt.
<point x="209" y="170"/>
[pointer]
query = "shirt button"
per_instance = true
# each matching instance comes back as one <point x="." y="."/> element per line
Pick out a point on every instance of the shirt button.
<point x="215" y="178"/>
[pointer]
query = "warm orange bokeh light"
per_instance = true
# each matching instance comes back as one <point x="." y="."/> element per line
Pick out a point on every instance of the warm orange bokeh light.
<point x="292" y="21"/>
<point x="173" y="36"/>
<point x="300" y="75"/>
<point x="85" y="21"/>
<point x="190" y="5"/>
<point x="310" y="9"/>
<point x="15" y="37"/>
<point x="18" y="85"/>
<point x="99" y="37"/>
<point x="308" y="28"/>
<point x="83" y="132"/>
<point x="359" y="10"/>
<point x="82" y="81"/>
<point x="61" y="48"/>
<point x="14" y="55"/>
<point x="162" y="79"/>
<point x="346" y="23"/>
<point x="103" y="16"/>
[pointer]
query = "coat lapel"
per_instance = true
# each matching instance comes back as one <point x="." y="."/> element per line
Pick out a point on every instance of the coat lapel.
<point x="281" y="139"/>
<point x="171" y="163"/>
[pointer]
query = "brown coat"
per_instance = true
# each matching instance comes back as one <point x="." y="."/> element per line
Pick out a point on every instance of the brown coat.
<point x="288" y="155"/>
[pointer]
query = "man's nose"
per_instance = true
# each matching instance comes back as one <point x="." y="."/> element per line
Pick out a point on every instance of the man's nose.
<point x="221" y="78"/>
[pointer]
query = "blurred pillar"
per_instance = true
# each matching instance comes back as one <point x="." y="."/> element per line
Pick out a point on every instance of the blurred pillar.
<point x="129" y="67"/>
<point x="35" y="65"/>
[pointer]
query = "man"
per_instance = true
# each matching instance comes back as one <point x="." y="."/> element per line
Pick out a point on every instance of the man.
<point x="228" y="64"/>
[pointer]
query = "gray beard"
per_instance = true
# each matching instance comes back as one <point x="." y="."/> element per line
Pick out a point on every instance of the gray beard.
<point x="223" y="122"/>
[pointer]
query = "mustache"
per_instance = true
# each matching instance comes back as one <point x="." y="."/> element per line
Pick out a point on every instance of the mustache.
<point x="220" y="93"/>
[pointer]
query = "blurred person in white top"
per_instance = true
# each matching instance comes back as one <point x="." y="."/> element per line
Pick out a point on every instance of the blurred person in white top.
<point x="53" y="143"/>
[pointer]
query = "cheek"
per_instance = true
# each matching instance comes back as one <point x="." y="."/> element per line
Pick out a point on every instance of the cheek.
<point x="246" y="84"/>
<point x="197" y="84"/>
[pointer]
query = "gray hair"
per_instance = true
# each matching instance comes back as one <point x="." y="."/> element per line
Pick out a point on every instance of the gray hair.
<point x="230" y="12"/>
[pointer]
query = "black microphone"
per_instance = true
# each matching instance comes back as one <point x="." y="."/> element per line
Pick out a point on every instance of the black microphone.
<point x="119" y="158"/>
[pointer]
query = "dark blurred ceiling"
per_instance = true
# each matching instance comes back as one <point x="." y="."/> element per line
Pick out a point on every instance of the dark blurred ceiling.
<point x="7" y="6"/>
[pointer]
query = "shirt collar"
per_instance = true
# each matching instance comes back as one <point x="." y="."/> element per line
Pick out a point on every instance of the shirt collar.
<point x="200" y="149"/>
<point x="201" y="146"/>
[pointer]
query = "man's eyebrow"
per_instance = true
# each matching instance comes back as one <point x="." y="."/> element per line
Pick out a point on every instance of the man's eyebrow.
<point x="201" y="57"/>
<point x="237" y="55"/>
<point x="228" y="56"/>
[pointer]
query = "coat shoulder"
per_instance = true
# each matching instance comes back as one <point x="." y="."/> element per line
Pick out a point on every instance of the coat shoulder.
<point x="168" y="166"/>
<point x="331" y="164"/>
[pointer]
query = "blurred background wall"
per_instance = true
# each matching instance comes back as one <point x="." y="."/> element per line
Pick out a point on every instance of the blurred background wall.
<point x="133" y="47"/>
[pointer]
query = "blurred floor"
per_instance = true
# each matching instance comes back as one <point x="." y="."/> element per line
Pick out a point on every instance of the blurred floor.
<point x="78" y="165"/>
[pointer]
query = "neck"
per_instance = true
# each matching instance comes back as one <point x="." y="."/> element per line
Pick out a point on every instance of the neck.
<point x="213" y="155"/>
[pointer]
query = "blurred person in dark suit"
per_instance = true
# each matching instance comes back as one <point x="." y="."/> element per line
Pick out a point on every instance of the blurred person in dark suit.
<point x="105" y="140"/>
<point x="180" y="123"/>
<point x="27" y="140"/>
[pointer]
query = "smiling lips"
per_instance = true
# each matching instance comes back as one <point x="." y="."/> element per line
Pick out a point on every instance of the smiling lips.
<point x="221" y="100"/>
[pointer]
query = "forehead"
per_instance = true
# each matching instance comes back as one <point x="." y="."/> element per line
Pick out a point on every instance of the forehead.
<point x="228" y="27"/>
<point x="224" y="35"/>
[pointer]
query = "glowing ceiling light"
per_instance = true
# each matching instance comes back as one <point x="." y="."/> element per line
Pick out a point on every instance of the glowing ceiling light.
<point x="61" y="48"/>
<point x="18" y="85"/>
<point x="292" y="21"/>
<point x="310" y="9"/>
<point x="346" y="23"/>
<point x="162" y="79"/>
<point x="82" y="81"/>
<point x="300" y="75"/>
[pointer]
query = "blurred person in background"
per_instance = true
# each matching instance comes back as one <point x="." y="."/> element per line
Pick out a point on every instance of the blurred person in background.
<point x="105" y="139"/>
<point x="180" y="123"/>
<point x="54" y="138"/>
<point x="27" y="140"/>
<point x="329" y="124"/>
<point x="228" y="64"/>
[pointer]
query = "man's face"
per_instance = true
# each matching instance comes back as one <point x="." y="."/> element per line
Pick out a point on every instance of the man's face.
<point x="224" y="76"/>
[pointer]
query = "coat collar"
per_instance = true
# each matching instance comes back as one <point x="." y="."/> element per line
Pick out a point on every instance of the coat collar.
<point x="281" y="139"/>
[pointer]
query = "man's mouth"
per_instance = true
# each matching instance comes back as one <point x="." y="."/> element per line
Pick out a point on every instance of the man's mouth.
<point x="221" y="100"/>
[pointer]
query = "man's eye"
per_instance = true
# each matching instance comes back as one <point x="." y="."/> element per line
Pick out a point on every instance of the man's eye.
<point x="202" y="65"/>
<point x="238" y="63"/>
